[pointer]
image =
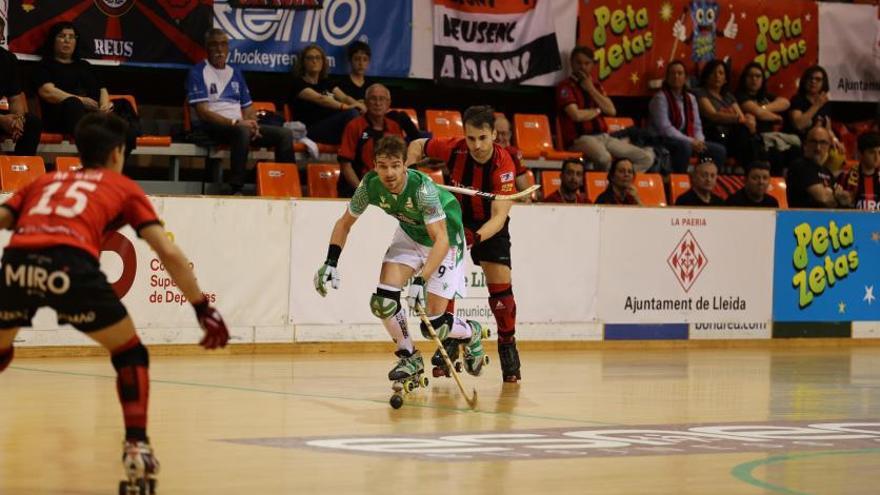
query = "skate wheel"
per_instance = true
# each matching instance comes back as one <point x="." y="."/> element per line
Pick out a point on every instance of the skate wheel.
<point x="396" y="401"/>
<point x="423" y="381"/>
<point x="485" y="360"/>
<point x="410" y="386"/>
<point x="486" y="333"/>
<point x="458" y="366"/>
<point x="397" y="387"/>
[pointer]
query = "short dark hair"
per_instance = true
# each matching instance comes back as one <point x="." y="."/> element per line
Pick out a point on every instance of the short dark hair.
<point x="757" y="164"/>
<point x="669" y="67"/>
<point x="214" y="32"/>
<point x="613" y="168"/>
<point x="575" y="161"/>
<point x="358" y="46"/>
<point x="868" y="140"/>
<point x="48" y="48"/>
<point x="393" y="146"/>
<point x="97" y="135"/>
<point x="582" y="50"/>
<point x="479" y="116"/>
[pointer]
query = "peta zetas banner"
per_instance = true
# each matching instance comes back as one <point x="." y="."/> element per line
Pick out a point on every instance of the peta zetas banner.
<point x="269" y="40"/>
<point x="153" y="32"/>
<point x="827" y="267"/>
<point x="634" y="40"/>
<point x="494" y="43"/>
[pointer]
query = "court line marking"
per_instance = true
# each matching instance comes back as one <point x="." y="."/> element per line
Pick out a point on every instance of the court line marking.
<point x="325" y="396"/>
<point x="743" y="472"/>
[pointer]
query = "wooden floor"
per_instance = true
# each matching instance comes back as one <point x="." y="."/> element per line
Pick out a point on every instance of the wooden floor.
<point x="321" y="424"/>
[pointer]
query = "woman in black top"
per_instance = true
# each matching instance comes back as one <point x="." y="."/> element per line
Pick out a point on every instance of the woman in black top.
<point x="811" y="107"/>
<point x="316" y="101"/>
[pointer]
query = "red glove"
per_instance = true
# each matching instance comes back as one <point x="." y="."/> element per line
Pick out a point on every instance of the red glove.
<point x="216" y="333"/>
<point x="471" y="237"/>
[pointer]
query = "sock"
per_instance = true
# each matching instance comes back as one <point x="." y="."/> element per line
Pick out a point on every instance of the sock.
<point x="460" y="329"/>
<point x="132" y="364"/>
<point x="504" y="308"/>
<point x="396" y="326"/>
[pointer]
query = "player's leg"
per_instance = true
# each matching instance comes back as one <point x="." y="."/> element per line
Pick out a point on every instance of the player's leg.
<point x="7" y="351"/>
<point x="401" y="261"/>
<point x="17" y="304"/>
<point x="503" y="306"/>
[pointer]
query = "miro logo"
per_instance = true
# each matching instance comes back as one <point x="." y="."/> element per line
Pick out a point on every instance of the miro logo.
<point x="829" y="245"/>
<point x="338" y="23"/>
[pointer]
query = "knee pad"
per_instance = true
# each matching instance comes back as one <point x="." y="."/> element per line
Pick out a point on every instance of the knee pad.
<point x="385" y="303"/>
<point x="442" y="326"/>
<point x="6" y="358"/>
<point x="131" y="354"/>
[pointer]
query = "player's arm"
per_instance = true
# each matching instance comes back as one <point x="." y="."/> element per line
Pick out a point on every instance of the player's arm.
<point x="500" y="210"/>
<point x="437" y="231"/>
<point x="341" y="229"/>
<point x="416" y="151"/>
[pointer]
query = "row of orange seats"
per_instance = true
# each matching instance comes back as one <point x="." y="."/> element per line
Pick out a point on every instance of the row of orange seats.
<point x="18" y="171"/>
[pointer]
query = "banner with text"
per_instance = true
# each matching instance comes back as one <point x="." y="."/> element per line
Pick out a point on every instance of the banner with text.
<point x="269" y="40"/>
<point x="152" y="32"/>
<point x="827" y="266"/>
<point x="686" y="266"/>
<point x="499" y="43"/>
<point x="635" y="39"/>
<point x="853" y="72"/>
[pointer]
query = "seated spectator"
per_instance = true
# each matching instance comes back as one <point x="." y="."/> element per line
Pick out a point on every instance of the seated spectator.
<point x="703" y="179"/>
<point x="355" y="84"/>
<point x="861" y="182"/>
<point x="621" y="190"/>
<point x="68" y="88"/>
<point x="676" y="117"/>
<point x="571" y="184"/>
<point x="768" y="110"/>
<point x="809" y="182"/>
<point x="723" y="120"/>
<point x="754" y="192"/>
<point x="504" y="137"/>
<point x="223" y="109"/>
<point x="581" y="102"/>
<point x="16" y="123"/>
<point x="811" y="106"/>
<point x="360" y="136"/>
<point x="318" y="103"/>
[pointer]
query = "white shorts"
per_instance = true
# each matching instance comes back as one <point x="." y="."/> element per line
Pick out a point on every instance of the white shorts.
<point x="448" y="281"/>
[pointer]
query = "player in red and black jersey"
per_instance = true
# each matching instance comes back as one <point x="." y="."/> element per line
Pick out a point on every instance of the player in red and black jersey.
<point x="477" y="162"/>
<point x="59" y="222"/>
<point x="861" y="182"/>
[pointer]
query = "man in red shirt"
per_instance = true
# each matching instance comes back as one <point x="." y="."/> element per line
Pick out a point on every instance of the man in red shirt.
<point x="477" y="162"/>
<point x="571" y="184"/>
<point x="59" y="222"/>
<point x="861" y="182"/>
<point x="360" y="135"/>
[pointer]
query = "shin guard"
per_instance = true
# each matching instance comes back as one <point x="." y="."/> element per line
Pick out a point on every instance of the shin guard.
<point x="132" y="363"/>
<point x="503" y="306"/>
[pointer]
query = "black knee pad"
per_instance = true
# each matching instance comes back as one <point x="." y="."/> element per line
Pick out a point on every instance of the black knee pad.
<point x="438" y="324"/>
<point x="6" y="358"/>
<point x="135" y="356"/>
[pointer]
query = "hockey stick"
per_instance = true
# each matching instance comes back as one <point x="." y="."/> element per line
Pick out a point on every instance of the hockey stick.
<point x="491" y="196"/>
<point x="472" y="401"/>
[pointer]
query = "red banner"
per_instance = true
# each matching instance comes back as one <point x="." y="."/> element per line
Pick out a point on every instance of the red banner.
<point x="635" y="39"/>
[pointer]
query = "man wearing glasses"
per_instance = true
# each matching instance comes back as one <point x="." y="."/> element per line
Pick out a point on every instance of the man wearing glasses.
<point x="360" y="136"/>
<point x="810" y="183"/>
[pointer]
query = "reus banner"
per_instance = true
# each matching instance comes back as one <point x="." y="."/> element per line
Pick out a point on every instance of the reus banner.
<point x="495" y="43"/>
<point x="150" y="32"/>
<point x="634" y="40"/>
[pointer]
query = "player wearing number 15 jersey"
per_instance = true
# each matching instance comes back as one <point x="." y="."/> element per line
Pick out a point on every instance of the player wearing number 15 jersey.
<point x="429" y="243"/>
<point x="59" y="221"/>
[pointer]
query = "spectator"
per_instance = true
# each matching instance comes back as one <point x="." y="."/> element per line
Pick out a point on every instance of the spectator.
<point x="754" y="192"/>
<point x="581" y="103"/>
<point x="355" y="84"/>
<point x="768" y="110"/>
<point x="223" y="109"/>
<point x="811" y="106"/>
<point x="810" y="183"/>
<point x="68" y="88"/>
<point x="16" y="124"/>
<point x="360" y="136"/>
<point x="860" y="182"/>
<point x="571" y="187"/>
<point x="318" y="103"/>
<point x="723" y="120"/>
<point x="621" y="190"/>
<point x="703" y="180"/>
<point x="504" y="138"/>
<point x="675" y="116"/>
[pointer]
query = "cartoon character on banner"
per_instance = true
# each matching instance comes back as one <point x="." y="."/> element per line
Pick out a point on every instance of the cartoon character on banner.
<point x="704" y="15"/>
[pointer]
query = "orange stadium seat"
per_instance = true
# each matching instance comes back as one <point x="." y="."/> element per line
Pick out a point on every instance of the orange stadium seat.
<point x="147" y="139"/>
<point x="530" y="181"/>
<point x="650" y="188"/>
<point x="411" y="113"/>
<point x="597" y="182"/>
<point x="279" y="180"/>
<point x="678" y="185"/>
<point x="67" y="164"/>
<point x="435" y="173"/>
<point x="550" y="182"/>
<point x="444" y="123"/>
<point x="264" y="106"/>
<point x="322" y="180"/>
<point x="18" y="171"/>
<point x="533" y="138"/>
<point x="777" y="190"/>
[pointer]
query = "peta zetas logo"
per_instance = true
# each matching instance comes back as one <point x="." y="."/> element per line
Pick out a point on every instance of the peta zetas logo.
<point x="832" y="265"/>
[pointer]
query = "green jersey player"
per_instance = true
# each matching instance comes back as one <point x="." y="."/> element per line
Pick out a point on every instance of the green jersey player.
<point x="429" y="243"/>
